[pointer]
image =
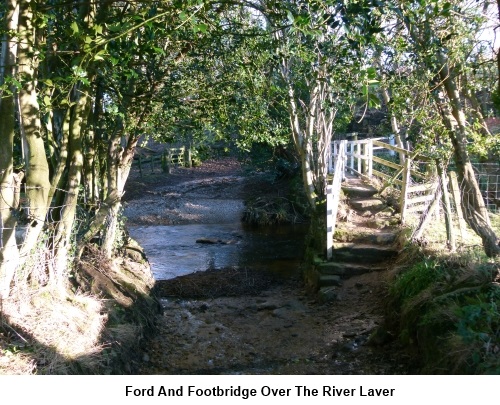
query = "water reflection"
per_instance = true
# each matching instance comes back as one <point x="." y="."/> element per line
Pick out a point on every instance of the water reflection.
<point x="173" y="251"/>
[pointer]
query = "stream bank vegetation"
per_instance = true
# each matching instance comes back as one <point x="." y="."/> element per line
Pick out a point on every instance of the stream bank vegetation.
<point x="446" y="305"/>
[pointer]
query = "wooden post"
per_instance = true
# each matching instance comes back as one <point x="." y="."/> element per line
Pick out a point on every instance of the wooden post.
<point x="140" y="165"/>
<point x="333" y="197"/>
<point x="455" y="192"/>
<point x="331" y="155"/>
<point x="169" y="161"/>
<point x="343" y="152"/>
<point x="152" y="164"/>
<point x="187" y="158"/>
<point x="392" y="142"/>
<point x="329" y="221"/>
<point x="182" y="153"/>
<point x="370" y="158"/>
<point x="437" y="211"/>
<point x="404" y="188"/>
<point x="351" y="151"/>
<point x="358" y="152"/>
<point x="163" y="162"/>
<point x="355" y="148"/>
<point x="447" y="208"/>
<point x="364" y="160"/>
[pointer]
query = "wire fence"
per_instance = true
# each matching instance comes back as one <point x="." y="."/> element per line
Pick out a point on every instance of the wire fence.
<point x="488" y="178"/>
<point x="18" y="215"/>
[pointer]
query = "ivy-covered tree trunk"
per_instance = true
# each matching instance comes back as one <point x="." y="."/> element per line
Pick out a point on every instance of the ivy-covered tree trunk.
<point x="9" y="253"/>
<point x="37" y="168"/>
<point x="79" y="114"/>
<point x="475" y="212"/>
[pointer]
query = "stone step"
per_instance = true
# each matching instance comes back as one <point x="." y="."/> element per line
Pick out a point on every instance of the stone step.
<point x="365" y="204"/>
<point x="366" y="236"/>
<point x="346" y="270"/>
<point x="358" y="190"/>
<point x="329" y="280"/>
<point x="362" y="253"/>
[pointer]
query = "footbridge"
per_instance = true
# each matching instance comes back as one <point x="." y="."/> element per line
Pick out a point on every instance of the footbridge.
<point x="366" y="169"/>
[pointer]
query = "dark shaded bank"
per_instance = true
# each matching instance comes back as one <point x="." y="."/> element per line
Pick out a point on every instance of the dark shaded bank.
<point x="95" y="325"/>
<point x="446" y="309"/>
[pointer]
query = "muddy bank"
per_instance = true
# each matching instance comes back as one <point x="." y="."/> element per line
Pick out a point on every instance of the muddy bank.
<point x="246" y="322"/>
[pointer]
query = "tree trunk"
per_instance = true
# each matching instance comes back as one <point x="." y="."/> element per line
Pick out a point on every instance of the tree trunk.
<point x="9" y="253"/>
<point x="302" y="145"/>
<point x="68" y="213"/>
<point x="475" y="212"/>
<point x="453" y="116"/>
<point x="37" y="168"/>
<point x="394" y="121"/>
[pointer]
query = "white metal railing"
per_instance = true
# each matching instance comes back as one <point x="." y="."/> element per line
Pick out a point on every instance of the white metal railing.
<point x="359" y="157"/>
<point x="333" y="195"/>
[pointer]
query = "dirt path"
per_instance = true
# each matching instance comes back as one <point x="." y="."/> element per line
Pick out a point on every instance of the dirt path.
<point x="247" y="320"/>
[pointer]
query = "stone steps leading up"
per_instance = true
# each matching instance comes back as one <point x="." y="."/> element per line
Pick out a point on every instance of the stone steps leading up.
<point x="365" y="204"/>
<point x="367" y="236"/>
<point x="358" y="190"/>
<point x="362" y="245"/>
<point x="347" y="269"/>
<point x="362" y="253"/>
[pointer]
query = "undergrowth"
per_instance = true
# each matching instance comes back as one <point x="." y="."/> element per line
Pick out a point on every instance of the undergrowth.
<point x="447" y="307"/>
<point x="91" y="326"/>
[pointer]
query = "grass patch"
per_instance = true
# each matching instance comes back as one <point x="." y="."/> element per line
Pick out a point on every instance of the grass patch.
<point x="447" y="308"/>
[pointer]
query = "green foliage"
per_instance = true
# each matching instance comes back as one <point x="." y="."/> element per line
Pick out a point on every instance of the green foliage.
<point x="449" y="308"/>
<point x="478" y="329"/>
<point x="416" y="279"/>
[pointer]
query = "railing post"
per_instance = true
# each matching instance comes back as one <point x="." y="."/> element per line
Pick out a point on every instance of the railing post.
<point x="331" y="156"/>
<point x="404" y="188"/>
<point x="188" y="162"/>
<point x="370" y="158"/>
<point x="364" y="157"/>
<point x="333" y="196"/>
<point x="343" y="147"/>
<point x="329" y="221"/>
<point x="355" y="148"/>
<point x="169" y="161"/>
<point x="392" y="142"/>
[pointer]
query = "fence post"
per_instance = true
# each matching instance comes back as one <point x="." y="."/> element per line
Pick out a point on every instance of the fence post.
<point x="370" y="158"/>
<point x="364" y="159"/>
<point x="354" y="148"/>
<point x="437" y="211"/>
<point x="164" y="161"/>
<point x="359" y="152"/>
<point x="404" y="189"/>
<point x="343" y="146"/>
<point x="329" y="221"/>
<point x="169" y="161"/>
<point x="188" y="162"/>
<point x="392" y="142"/>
